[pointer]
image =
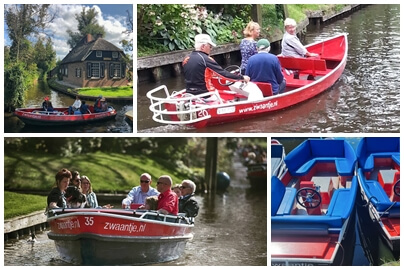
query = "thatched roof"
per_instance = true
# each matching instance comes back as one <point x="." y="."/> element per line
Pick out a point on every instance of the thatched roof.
<point x="86" y="45"/>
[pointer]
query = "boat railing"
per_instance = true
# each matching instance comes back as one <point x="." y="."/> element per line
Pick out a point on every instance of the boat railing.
<point x="154" y="215"/>
<point x="188" y="108"/>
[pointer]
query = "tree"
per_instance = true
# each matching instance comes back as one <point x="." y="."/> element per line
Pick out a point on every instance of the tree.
<point x="128" y="44"/>
<point x="87" y="25"/>
<point x="44" y="55"/>
<point x="24" y="21"/>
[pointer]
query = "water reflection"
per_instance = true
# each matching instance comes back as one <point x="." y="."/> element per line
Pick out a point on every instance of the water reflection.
<point x="365" y="99"/>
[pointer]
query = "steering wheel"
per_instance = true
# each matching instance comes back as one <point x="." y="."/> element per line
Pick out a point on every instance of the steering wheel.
<point x="234" y="69"/>
<point x="308" y="198"/>
<point x="397" y="188"/>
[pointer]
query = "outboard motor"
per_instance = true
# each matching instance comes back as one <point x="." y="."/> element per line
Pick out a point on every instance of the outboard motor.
<point x="250" y="90"/>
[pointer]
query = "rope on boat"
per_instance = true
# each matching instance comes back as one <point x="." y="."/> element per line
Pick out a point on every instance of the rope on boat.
<point x="387" y="210"/>
<point x="343" y="252"/>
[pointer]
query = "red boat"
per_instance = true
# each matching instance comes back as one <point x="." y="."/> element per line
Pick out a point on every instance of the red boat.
<point x="234" y="101"/>
<point x="61" y="117"/>
<point x="118" y="236"/>
<point x="257" y="174"/>
<point x="313" y="205"/>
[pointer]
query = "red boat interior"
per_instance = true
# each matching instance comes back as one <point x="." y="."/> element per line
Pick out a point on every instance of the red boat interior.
<point x="320" y="237"/>
<point x="323" y="178"/>
<point x="384" y="175"/>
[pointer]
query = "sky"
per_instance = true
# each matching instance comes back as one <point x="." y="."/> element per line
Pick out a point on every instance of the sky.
<point x="112" y="17"/>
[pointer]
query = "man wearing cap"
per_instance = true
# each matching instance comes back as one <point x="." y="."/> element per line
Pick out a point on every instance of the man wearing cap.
<point x="265" y="67"/>
<point x="199" y="67"/>
<point x="47" y="105"/>
<point x="291" y="45"/>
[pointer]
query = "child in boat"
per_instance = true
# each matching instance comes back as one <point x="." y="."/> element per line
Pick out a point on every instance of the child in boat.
<point x="176" y="189"/>
<point x="151" y="202"/>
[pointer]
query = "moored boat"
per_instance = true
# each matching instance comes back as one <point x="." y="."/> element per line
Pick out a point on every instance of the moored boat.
<point x="313" y="205"/>
<point x="61" y="117"/>
<point x="233" y="101"/>
<point x="118" y="236"/>
<point x="257" y="174"/>
<point x="379" y="179"/>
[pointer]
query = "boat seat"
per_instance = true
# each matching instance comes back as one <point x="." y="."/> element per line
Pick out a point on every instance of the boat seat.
<point x="266" y="88"/>
<point x="370" y="160"/>
<point x="277" y="192"/>
<point x="306" y="222"/>
<point x="308" y="65"/>
<point x="343" y="166"/>
<point x="288" y="202"/>
<point x="377" y="191"/>
<point x="337" y="207"/>
<point x="296" y="83"/>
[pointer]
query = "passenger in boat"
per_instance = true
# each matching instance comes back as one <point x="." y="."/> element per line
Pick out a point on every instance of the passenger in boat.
<point x="87" y="190"/>
<point x="199" y="67"/>
<point x="168" y="200"/>
<point x="76" y="180"/>
<point x="151" y="203"/>
<point x="291" y="45"/>
<point x="74" y="197"/>
<point x="104" y="105"/>
<point x="187" y="202"/>
<point x="56" y="197"/>
<point x="248" y="45"/>
<point x="75" y="106"/>
<point x="84" y="109"/>
<point x="47" y="105"/>
<point x="176" y="189"/>
<point x="139" y="193"/>
<point x="265" y="67"/>
<point x="98" y="104"/>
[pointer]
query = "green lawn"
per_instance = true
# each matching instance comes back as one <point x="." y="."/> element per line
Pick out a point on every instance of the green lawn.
<point x="107" y="172"/>
<point x="113" y="92"/>
<point x="22" y="204"/>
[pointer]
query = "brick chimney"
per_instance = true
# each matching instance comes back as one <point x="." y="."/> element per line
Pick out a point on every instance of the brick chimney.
<point x="89" y="38"/>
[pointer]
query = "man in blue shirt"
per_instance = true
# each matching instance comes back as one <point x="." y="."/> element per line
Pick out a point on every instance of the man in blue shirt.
<point x="138" y="194"/>
<point x="265" y="67"/>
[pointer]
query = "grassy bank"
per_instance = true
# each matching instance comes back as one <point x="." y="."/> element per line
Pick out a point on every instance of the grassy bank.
<point x="107" y="172"/>
<point x="108" y="92"/>
<point x="22" y="204"/>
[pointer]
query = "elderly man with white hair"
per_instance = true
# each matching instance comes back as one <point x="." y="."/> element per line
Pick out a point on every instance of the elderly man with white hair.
<point x="291" y="45"/>
<point x="199" y="67"/>
<point x="187" y="203"/>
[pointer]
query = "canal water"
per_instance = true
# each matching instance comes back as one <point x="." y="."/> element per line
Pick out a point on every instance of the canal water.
<point x="366" y="99"/>
<point x="231" y="229"/>
<point x="34" y="98"/>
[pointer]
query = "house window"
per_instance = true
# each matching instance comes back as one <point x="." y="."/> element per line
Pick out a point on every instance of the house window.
<point x="114" y="55"/>
<point x="66" y="70"/>
<point x="95" y="70"/>
<point x="98" y="54"/>
<point x="78" y="72"/>
<point x="115" y="70"/>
